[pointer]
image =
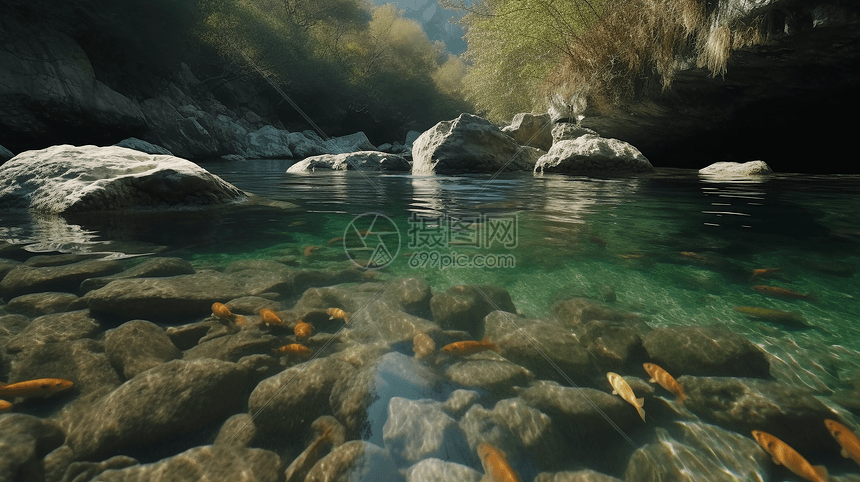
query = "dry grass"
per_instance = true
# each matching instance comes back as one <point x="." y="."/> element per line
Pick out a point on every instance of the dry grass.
<point x="637" y="40"/>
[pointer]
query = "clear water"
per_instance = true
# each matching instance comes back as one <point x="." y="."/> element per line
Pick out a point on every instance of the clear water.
<point x="674" y="247"/>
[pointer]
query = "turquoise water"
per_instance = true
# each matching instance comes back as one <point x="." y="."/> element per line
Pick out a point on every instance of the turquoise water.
<point x="671" y="246"/>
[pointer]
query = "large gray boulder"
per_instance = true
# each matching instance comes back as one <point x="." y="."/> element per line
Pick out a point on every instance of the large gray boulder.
<point x="531" y="130"/>
<point x="268" y="142"/>
<point x="349" y="143"/>
<point x="362" y="161"/>
<point x="589" y="154"/>
<point x="66" y="179"/>
<point x="184" y="136"/>
<point x="751" y="168"/>
<point x="469" y="144"/>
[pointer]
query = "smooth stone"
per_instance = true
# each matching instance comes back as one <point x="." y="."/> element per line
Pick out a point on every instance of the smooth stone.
<point x="380" y="319"/>
<point x="751" y="168"/>
<point x="615" y="346"/>
<point x="586" y="475"/>
<point x="361" y="161"/>
<point x="24" y="441"/>
<point x="47" y="260"/>
<point x="575" y="312"/>
<point x="356" y="461"/>
<point x="791" y="414"/>
<point x="705" y="351"/>
<point x="187" y="336"/>
<point x="209" y="462"/>
<point x="159" y="267"/>
<point x="493" y="375"/>
<point x="463" y="307"/>
<point x="81" y="471"/>
<point x="37" y="304"/>
<point x="459" y="401"/>
<point x="565" y="131"/>
<point x="355" y="142"/>
<point x="67" y="278"/>
<point x="248" y="341"/>
<point x="437" y="470"/>
<point x="238" y="431"/>
<point x="419" y="429"/>
<point x="189" y="395"/>
<point x="412" y="295"/>
<point x="143" y="146"/>
<point x="589" y="154"/>
<point x="533" y="130"/>
<point x="251" y="305"/>
<point x="137" y="346"/>
<point x="11" y="325"/>
<point x="54" y="328"/>
<point x="268" y="142"/>
<point x="328" y="434"/>
<point x="7" y="265"/>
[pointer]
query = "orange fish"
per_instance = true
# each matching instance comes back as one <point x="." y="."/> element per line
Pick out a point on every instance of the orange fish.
<point x="303" y="330"/>
<point x="337" y="313"/>
<point x="310" y="250"/>
<point x="4" y="405"/>
<point x="423" y="345"/>
<point x="847" y="440"/>
<point x="469" y="347"/>
<point x="44" y="387"/>
<point x="333" y="241"/>
<point x="784" y="455"/>
<point x="695" y="256"/>
<point x="295" y="349"/>
<point x="240" y="320"/>
<point x="763" y="272"/>
<point x="661" y="376"/>
<point x="496" y="466"/>
<point x="778" y="292"/>
<point x="270" y="317"/>
<point x="772" y="315"/>
<point x="631" y="256"/>
<point x="621" y="388"/>
<point x="220" y="310"/>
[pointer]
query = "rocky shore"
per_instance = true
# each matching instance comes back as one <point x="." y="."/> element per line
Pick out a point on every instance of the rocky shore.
<point x="164" y="388"/>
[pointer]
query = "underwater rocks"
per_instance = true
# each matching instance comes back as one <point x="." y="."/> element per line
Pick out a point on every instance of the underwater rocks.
<point x="705" y="351"/>
<point x="420" y="429"/>
<point x="469" y="144"/>
<point x="158" y="267"/>
<point x="495" y="375"/>
<point x="24" y="441"/>
<point x="25" y="279"/>
<point x="53" y="328"/>
<point x="437" y="470"/>
<point x="463" y="307"/>
<point x="69" y="179"/>
<point x="137" y="346"/>
<point x="361" y="161"/>
<point x="356" y="461"/>
<point x="83" y="362"/>
<point x="578" y="476"/>
<point x="233" y="347"/>
<point x="37" y="304"/>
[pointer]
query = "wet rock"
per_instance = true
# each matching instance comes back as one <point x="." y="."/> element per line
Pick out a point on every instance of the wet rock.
<point x="379" y="318"/>
<point x="436" y="470"/>
<point x="347" y="298"/>
<point x="463" y="307"/>
<point x="751" y="168"/>
<point x="578" y="311"/>
<point x="210" y="462"/>
<point x="704" y="452"/>
<point x="362" y="161"/>
<point x="592" y="154"/>
<point x="791" y="414"/>
<point x="355" y="461"/>
<point x="520" y="339"/>
<point x="187" y="336"/>
<point x="565" y="131"/>
<point x="184" y="137"/>
<point x="137" y="346"/>
<point x="143" y="146"/>
<point x="37" y="304"/>
<point x="531" y="130"/>
<point x="495" y="375"/>
<point x="237" y="431"/>
<point x="469" y="144"/>
<point x="459" y="401"/>
<point x="614" y="345"/>
<point x="419" y="429"/>
<point x="578" y="476"/>
<point x="53" y="328"/>
<point x="328" y="433"/>
<point x="189" y="395"/>
<point x="24" y="441"/>
<point x="67" y="278"/>
<point x="349" y="143"/>
<point x="412" y="295"/>
<point x="702" y="350"/>
<point x="46" y="260"/>
<point x="292" y="399"/>
<point x="251" y="305"/>
<point x="7" y="265"/>
<point x="268" y="142"/>
<point x="360" y="401"/>
<point x="11" y="325"/>
<point x="80" y="471"/>
<point x="151" y="268"/>
<point x="248" y="341"/>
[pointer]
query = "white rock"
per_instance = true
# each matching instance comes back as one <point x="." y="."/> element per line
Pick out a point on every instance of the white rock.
<point x="418" y="429"/>
<point x="143" y="146"/>
<point x="469" y="144"/>
<point x="436" y="470"/>
<point x="589" y="154"/>
<point x="351" y="143"/>
<point x="88" y="178"/>
<point x="362" y="160"/>
<point x="268" y="142"/>
<point x="750" y="168"/>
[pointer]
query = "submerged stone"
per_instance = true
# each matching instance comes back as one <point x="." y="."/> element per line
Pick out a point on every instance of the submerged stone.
<point x="361" y="161"/>
<point x="463" y="307"/>
<point x="37" y="304"/>
<point x="137" y="346"/>
<point x="437" y="470"/>
<point x="705" y="350"/>
<point x="151" y="268"/>
<point x="66" y="278"/>
<point x="356" y="461"/>
<point x="54" y="328"/>
<point x="419" y="429"/>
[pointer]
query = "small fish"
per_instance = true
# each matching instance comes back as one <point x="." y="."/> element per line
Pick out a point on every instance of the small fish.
<point x="764" y="272"/>
<point x="772" y="315"/>
<point x="786" y="456"/>
<point x="220" y="310"/>
<point x="337" y="313"/>
<point x="240" y="320"/>
<point x="622" y="389"/>
<point x="423" y="345"/>
<point x="44" y="387"/>
<point x="297" y="223"/>
<point x="270" y="317"/>
<point x="496" y="466"/>
<point x="295" y="349"/>
<point x="303" y="330"/>
<point x="469" y="347"/>
<point x="847" y="440"/>
<point x="334" y="240"/>
<point x="4" y="405"/>
<point x="661" y="376"/>
<point x="631" y="256"/>
<point x="310" y="250"/>
<point x="696" y="256"/>
<point x="778" y="292"/>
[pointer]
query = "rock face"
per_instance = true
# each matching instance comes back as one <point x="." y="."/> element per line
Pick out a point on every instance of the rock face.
<point x="531" y="130"/>
<point x="143" y="146"/>
<point x="589" y="154"/>
<point x="750" y="168"/>
<point x="68" y="179"/>
<point x="362" y="161"/>
<point x="469" y="144"/>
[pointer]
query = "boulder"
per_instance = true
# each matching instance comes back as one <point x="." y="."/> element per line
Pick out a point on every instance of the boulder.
<point x="53" y="328"/>
<point x="419" y="429"/>
<point x="143" y="146"/>
<point x="463" y="307"/>
<point x="5" y="154"/>
<point x="495" y="375"/>
<point x="362" y="161"/>
<point x="151" y="268"/>
<point x="77" y="471"/>
<point x="24" y="441"/>
<point x="183" y="136"/>
<point x="356" y="461"/>
<point x="306" y="144"/>
<point x="232" y="347"/>
<point x="349" y="143"/>
<point x="232" y="138"/>
<point x="565" y="131"/>
<point x="590" y="154"/>
<point x="705" y="351"/>
<point x="531" y="130"/>
<point x="751" y="168"/>
<point x="137" y="346"/>
<point x="268" y="142"/>
<point x="37" y="304"/>
<point x="66" y="179"/>
<point x="437" y="470"/>
<point x="25" y="279"/>
<point x="469" y="144"/>
<point x="83" y="362"/>
<point x="586" y="475"/>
